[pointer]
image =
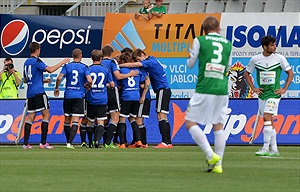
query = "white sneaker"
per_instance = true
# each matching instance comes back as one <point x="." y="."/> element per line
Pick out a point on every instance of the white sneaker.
<point x="274" y="153"/>
<point x="262" y="152"/>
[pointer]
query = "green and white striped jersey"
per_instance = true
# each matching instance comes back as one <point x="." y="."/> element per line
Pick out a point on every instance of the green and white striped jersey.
<point x="268" y="70"/>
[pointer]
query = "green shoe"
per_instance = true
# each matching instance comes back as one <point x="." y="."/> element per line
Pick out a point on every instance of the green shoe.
<point x="274" y="154"/>
<point x="83" y="144"/>
<point x="262" y="152"/>
<point x="213" y="161"/>
<point x="217" y="169"/>
<point x="111" y="146"/>
<point x="69" y="146"/>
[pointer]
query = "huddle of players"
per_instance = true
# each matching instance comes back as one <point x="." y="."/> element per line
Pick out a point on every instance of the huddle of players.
<point x="107" y="82"/>
<point x="101" y="84"/>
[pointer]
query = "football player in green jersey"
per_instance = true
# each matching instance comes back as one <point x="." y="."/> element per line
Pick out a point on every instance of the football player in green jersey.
<point x="268" y="65"/>
<point x="209" y="103"/>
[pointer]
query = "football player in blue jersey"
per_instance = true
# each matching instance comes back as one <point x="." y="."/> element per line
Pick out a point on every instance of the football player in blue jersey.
<point x="162" y="89"/>
<point x="130" y="96"/>
<point x="96" y="97"/>
<point x="77" y="77"/>
<point x="37" y="98"/>
<point x="113" y="95"/>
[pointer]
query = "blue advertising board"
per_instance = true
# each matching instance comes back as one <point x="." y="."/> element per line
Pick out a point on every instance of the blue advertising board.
<point x="57" y="35"/>
<point x="238" y="128"/>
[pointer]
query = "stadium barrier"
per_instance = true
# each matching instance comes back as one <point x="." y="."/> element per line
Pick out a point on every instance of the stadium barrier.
<point x="238" y="128"/>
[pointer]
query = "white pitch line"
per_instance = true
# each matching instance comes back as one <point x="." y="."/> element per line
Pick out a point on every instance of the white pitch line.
<point x="268" y="157"/>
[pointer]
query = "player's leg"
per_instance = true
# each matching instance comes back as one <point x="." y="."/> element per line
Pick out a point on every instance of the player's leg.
<point x="90" y="116"/>
<point x="198" y="104"/>
<point x="77" y="112"/>
<point x="83" y="132"/>
<point x="162" y="108"/>
<point x="113" y="108"/>
<point x="82" y="127"/>
<point x="220" y="105"/>
<point x="122" y="131"/>
<point x="270" y="110"/>
<point x="28" y="124"/>
<point x="144" y="111"/>
<point x="68" y="115"/>
<point x="44" y="127"/>
<point x="100" y="118"/>
<point x="134" y="107"/>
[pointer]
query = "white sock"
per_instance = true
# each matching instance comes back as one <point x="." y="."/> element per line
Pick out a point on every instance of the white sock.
<point x="267" y="136"/>
<point x="201" y="140"/>
<point x="220" y="144"/>
<point x="273" y="141"/>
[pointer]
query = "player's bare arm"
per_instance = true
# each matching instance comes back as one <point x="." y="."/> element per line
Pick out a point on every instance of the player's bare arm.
<point x="89" y="80"/>
<point x="258" y="91"/>
<point x="131" y="65"/>
<point x="120" y="76"/>
<point x="51" y="69"/>
<point x="289" y="79"/>
<point x="58" y="81"/>
<point x="146" y="88"/>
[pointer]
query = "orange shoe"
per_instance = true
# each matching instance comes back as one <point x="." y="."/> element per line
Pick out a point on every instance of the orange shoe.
<point x="145" y="146"/>
<point x="161" y="145"/>
<point x="123" y="146"/>
<point x="138" y="144"/>
<point x="170" y="145"/>
<point x="132" y="146"/>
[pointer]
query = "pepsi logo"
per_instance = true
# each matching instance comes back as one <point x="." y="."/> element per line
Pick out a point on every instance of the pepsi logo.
<point x="14" y="37"/>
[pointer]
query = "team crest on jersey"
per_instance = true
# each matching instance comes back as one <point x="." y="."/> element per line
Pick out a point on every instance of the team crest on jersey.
<point x="237" y="85"/>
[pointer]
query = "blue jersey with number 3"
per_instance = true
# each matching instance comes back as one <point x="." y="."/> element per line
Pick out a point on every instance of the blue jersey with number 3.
<point x="33" y="72"/>
<point x="75" y="74"/>
<point x="101" y="75"/>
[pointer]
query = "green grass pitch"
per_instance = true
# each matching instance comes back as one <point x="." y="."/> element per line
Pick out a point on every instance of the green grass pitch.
<point x="135" y="170"/>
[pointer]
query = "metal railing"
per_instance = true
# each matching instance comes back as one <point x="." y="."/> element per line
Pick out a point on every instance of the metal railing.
<point x="95" y="7"/>
<point x="9" y="6"/>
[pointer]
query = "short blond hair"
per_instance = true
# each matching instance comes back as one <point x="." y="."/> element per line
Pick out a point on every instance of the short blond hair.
<point x="76" y="53"/>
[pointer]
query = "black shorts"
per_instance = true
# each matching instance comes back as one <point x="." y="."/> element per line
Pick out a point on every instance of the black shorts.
<point x="163" y="97"/>
<point x="144" y="109"/>
<point x="37" y="103"/>
<point x="129" y="108"/>
<point x="96" y="111"/>
<point x="74" y="107"/>
<point x="113" y="103"/>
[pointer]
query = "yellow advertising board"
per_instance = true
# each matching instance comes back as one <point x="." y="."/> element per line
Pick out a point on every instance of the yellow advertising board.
<point x="169" y="36"/>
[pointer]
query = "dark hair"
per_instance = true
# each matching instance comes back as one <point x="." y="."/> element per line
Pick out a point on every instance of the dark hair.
<point x="34" y="46"/>
<point x="125" y="57"/>
<point x="210" y="24"/>
<point x="126" y="49"/>
<point x="96" y="55"/>
<point x="107" y="50"/>
<point x="137" y="53"/>
<point x="266" y="40"/>
<point x="8" y="59"/>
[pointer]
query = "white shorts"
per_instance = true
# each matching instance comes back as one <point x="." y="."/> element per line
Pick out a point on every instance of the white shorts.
<point x="207" y="109"/>
<point x="268" y="106"/>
